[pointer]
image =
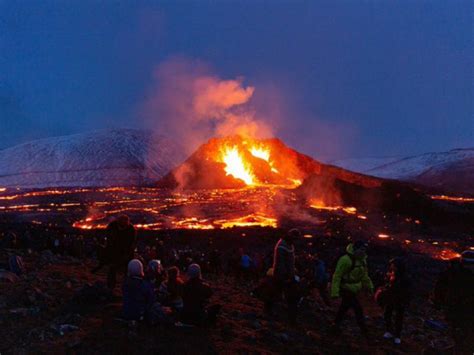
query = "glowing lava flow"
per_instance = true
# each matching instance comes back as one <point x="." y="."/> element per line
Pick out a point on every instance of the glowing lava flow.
<point x="236" y="167"/>
<point x="452" y="198"/>
<point x="320" y="206"/>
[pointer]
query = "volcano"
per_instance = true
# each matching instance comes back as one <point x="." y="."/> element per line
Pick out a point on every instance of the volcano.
<point x="237" y="162"/>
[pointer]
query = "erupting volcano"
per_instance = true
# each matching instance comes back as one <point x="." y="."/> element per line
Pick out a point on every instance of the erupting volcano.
<point x="237" y="162"/>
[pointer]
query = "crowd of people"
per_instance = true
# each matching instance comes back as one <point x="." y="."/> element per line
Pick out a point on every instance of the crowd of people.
<point x="165" y="286"/>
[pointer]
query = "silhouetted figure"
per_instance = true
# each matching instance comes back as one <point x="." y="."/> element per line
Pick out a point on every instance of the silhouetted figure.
<point x="196" y="294"/>
<point x="321" y="278"/>
<point x="138" y="294"/>
<point x="171" y="290"/>
<point x="121" y="239"/>
<point x="284" y="272"/>
<point x="454" y="292"/>
<point x="397" y="296"/>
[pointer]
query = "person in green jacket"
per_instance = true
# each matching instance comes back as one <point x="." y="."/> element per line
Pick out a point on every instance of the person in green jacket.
<point x="349" y="278"/>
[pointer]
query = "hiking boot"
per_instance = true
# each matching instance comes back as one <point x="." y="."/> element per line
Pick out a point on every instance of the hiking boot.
<point x="388" y="335"/>
<point x="397" y="341"/>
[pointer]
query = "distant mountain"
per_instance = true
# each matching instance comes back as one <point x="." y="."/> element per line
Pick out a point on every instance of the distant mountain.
<point x="451" y="171"/>
<point x="100" y="158"/>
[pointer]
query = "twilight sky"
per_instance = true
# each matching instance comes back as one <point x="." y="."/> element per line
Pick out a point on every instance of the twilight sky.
<point x="333" y="79"/>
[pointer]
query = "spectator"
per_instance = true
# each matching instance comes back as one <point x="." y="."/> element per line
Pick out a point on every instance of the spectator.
<point x="121" y="239"/>
<point x="138" y="295"/>
<point x="196" y="294"/>
<point x="171" y="290"/>
<point x="398" y="290"/>
<point x="348" y="280"/>
<point x="284" y="272"/>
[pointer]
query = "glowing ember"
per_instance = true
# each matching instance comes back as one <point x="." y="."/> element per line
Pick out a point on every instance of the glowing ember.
<point x="383" y="236"/>
<point x="307" y="236"/>
<point x="236" y="167"/>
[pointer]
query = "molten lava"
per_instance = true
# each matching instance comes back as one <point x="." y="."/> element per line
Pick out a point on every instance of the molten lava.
<point x="236" y="166"/>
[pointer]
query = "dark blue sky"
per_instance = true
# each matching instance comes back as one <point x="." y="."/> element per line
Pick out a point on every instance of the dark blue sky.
<point x="353" y="78"/>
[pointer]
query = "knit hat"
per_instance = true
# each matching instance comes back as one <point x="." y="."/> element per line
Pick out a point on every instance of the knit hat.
<point x="135" y="268"/>
<point x="194" y="271"/>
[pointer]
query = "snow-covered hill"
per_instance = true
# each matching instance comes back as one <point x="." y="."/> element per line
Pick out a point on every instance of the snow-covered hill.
<point x="450" y="171"/>
<point x="100" y="158"/>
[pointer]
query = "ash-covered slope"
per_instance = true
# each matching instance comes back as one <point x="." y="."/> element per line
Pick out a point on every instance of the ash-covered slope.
<point x="451" y="171"/>
<point x="206" y="167"/>
<point x="100" y="158"/>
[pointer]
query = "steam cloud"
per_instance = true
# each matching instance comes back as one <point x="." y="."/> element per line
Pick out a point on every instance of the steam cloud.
<point x="191" y="104"/>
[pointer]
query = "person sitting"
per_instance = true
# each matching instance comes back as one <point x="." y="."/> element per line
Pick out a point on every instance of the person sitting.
<point x="154" y="273"/>
<point x="196" y="294"/>
<point x="138" y="294"/>
<point x="171" y="290"/>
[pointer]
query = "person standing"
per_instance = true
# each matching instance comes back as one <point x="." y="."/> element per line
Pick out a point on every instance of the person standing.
<point x="321" y="278"/>
<point x="120" y="247"/>
<point x="284" y="271"/>
<point x="350" y="277"/>
<point x="397" y="296"/>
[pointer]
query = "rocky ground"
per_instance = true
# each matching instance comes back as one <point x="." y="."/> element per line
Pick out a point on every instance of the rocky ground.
<point x="49" y="310"/>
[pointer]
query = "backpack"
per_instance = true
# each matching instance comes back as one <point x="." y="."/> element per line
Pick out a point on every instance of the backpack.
<point x="15" y="265"/>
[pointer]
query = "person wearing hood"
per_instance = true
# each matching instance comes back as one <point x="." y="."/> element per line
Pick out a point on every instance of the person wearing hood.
<point x="196" y="294"/>
<point x="138" y="294"/>
<point x="349" y="278"/>
<point x="397" y="290"/>
<point x="284" y="272"/>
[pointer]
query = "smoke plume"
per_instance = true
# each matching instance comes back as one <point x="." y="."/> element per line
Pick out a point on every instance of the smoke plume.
<point x="190" y="103"/>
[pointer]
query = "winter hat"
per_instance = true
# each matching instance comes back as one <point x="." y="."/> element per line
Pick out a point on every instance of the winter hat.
<point x="194" y="271"/>
<point x="135" y="268"/>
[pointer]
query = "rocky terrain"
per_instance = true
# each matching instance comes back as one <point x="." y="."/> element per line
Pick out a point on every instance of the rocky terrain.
<point x="60" y="306"/>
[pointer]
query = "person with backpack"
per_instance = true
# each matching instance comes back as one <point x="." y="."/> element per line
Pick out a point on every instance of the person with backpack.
<point x="284" y="272"/>
<point x="349" y="278"/>
<point x="394" y="297"/>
